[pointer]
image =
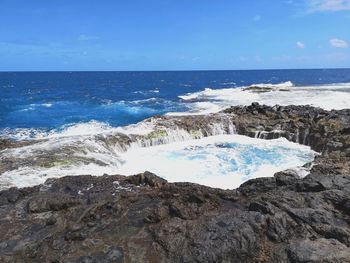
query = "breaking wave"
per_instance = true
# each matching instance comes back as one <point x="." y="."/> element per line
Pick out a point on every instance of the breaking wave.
<point x="95" y="147"/>
<point x="222" y="161"/>
<point x="207" y="152"/>
<point x="328" y="97"/>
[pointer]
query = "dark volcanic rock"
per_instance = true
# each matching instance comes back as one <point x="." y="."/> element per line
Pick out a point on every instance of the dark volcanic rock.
<point x="143" y="218"/>
<point x="114" y="219"/>
<point x="327" y="132"/>
<point x="147" y="178"/>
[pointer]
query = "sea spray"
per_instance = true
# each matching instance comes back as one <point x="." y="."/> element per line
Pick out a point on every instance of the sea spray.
<point x="223" y="161"/>
<point x="330" y="96"/>
<point x="71" y="152"/>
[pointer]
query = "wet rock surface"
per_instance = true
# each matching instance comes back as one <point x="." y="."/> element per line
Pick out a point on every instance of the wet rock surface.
<point x="143" y="218"/>
<point x="327" y="132"/>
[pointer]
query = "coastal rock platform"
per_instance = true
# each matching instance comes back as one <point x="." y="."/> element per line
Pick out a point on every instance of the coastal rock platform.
<point x="143" y="218"/>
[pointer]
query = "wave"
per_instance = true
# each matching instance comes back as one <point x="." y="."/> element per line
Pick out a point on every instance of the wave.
<point x="228" y="83"/>
<point x="153" y="101"/>
<point x="96" y="147"/>
<point x="80" y="129"/>
<point x="47" y="105"/>
<point x="223" y="161"/>
<point x="331" y="96"/>
<point x="34" y="106"/>
<point x="283" y="85"/>
<point x="149" y="100"/>
<point x="208" y="92"/>
<point x="95" y="144"/>
<point x="127" y="107"/>
<point x="198" y="108"/>
<point x="63" y="114"/>
<point x="144" y="92"/>
<point x="20" y="134"/>
<point x="83" y="129"/>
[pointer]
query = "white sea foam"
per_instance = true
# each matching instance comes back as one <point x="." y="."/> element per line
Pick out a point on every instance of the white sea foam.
<point x="34" y="106"/>
<point x="149" y="100"/>
<point x="78" y="129"/>
<point x="23" y="133"/>
<point x="83" y="129"/>
<point x="205" y="161"/>
<point x="228" y="83"/>
<point x="208" y="162"/>
<point x="141" y="128"/>
<point x="96" y="144"/>
<point x="199" y="108"/>
<point x="332" y="96"/>
<point x="146" y="91"/>
<point x="47" y="105"/>
<point x="130" y="107"/>
<point x="30" y="176"/>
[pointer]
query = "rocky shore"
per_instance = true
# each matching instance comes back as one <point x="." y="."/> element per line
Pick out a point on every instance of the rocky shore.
<point x="143" y="218"/>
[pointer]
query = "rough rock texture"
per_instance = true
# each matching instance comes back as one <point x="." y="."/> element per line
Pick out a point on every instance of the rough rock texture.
<point x="143" y="218"/>
<point x="327" y="132"/>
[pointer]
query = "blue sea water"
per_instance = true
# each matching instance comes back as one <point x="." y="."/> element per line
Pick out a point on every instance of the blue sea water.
<point x="69" y="109"/>
<point x="51" y="100"/>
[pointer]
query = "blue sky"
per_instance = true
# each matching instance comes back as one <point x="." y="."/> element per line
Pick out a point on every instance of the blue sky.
<point x="173" y="34"/>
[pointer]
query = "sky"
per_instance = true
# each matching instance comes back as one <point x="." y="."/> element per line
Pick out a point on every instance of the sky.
<point x="51" y="35"/>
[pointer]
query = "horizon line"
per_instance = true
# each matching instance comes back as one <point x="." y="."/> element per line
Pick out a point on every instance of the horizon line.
<point x="170" y="70"/>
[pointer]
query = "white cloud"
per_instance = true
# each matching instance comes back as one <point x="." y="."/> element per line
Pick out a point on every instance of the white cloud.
<point x="300" y="45"/>
<point x="338" y="43"/>
<point x="328" y="5"/>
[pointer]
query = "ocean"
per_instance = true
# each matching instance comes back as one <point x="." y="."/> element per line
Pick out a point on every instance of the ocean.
<point x="69" y="110"/>
<point x="51" y="100"/>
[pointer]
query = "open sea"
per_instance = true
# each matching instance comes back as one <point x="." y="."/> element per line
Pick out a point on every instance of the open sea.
<point x="49" y="105"/>
<point x="51" y="100"/>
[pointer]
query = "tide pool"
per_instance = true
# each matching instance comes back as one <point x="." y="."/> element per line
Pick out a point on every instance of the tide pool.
<point x="224" y="161"/>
